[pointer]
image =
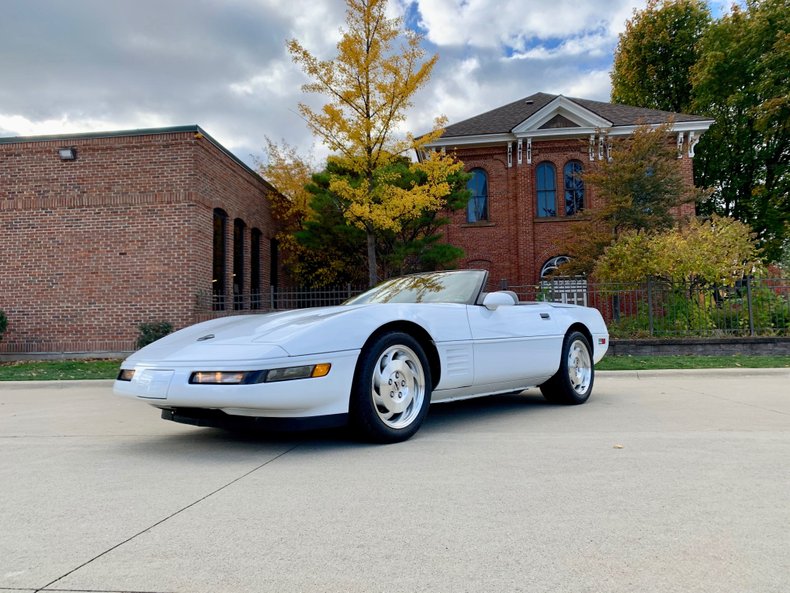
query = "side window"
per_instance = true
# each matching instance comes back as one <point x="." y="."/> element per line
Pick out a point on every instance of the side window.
<point x="546" y="190"/>
<point x="477" y="208"/>
<point x="574" y="188"/>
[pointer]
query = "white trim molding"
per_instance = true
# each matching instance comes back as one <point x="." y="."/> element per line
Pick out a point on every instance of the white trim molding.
<point x="583" y="118"/>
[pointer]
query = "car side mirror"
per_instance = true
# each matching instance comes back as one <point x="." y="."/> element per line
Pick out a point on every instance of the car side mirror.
<point x="494" y="300"/>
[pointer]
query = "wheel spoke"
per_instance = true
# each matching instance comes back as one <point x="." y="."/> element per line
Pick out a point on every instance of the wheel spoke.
<point x="579" y="366"/>
<point x="398" y="386"/>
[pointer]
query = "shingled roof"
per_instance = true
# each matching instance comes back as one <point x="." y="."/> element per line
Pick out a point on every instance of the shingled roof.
<point x="503" y="120"/>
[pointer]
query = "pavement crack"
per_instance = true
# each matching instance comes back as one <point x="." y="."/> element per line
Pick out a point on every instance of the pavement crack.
<point x="160" y="522"/>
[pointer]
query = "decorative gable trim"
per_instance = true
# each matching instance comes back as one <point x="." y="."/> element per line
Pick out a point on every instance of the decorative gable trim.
<point x="559" y="121"/>
<point x="560" y="110"/>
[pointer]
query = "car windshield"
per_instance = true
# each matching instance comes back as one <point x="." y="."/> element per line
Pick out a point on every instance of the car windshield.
<point x="460" y="286"/>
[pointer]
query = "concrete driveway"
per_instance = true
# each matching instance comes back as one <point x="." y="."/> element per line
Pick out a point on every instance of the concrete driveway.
<point x="663" y="481"/>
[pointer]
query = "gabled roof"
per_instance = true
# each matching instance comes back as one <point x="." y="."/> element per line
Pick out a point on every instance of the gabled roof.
<point x="550" y="115"/>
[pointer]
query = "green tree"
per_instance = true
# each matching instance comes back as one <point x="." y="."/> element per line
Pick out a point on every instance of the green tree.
<point x="637" y="191"/>
<point x="656" y="51"/>
<point x="741" y="80"/>
<point x="415" y="246"/>
<point x="370" y="85"/>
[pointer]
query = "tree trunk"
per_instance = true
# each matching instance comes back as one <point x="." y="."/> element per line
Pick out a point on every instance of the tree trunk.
<point x="372" y="275"/>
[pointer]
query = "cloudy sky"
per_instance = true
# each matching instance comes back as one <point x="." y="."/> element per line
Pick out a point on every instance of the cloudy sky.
<point x="93" y="65"/>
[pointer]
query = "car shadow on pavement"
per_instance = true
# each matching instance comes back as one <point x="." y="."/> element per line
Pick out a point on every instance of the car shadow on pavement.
<point x="463" y="416"/>
<point x="479" y="410"/>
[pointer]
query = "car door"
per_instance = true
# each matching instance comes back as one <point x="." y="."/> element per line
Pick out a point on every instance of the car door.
<point x="516" y="342"/>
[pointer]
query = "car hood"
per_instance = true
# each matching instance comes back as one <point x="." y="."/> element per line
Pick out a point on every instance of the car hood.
<point x="255" y="337"/>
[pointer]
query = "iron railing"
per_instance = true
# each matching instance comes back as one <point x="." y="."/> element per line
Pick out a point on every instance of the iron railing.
<point x="752" y="307"/>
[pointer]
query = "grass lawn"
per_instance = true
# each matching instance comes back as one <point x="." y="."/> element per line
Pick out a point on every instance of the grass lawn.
<point x="64" y="370"/>
<point x="643" y="363"/>
<point x="59" y="370"/>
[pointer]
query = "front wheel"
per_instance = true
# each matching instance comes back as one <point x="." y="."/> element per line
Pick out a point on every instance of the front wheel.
<point x="391" y="390"/>
<point x="573" y="382"/>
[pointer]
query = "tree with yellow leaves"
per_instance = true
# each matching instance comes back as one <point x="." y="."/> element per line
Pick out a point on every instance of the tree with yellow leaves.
<point x="290" y="173"/>
<point x="719" y="251"/>
<point x="370" y="85"/>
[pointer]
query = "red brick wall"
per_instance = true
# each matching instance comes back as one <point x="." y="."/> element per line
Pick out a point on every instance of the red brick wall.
<point x="242" y="197"/>
<point x="123" y="235"/>
<point x="514" y="243"/>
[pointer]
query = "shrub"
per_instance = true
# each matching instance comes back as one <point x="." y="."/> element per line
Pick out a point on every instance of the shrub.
<point x="151" y="332"/>
<point x="3" y="323"/>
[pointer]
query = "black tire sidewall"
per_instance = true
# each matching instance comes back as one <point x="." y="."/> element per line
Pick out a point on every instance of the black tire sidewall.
<point x="559" y="389"/>
<point x="363" y="416"/>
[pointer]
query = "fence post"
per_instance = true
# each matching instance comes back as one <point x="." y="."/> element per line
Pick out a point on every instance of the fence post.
<point x="348" y="291"/>
<point x="650" y="306"/>
<point x="749" y="304"/>
<point x="272" y="297"/>
<point x="503" y="284"/>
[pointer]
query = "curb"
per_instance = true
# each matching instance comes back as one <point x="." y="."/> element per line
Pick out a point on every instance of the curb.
<point x="63" y="384"/>
<point x="741" y="372"/>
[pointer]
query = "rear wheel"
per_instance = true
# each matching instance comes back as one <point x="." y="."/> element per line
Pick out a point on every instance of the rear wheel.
<point x="392" y="389"/>
<point x="573" y="382"/>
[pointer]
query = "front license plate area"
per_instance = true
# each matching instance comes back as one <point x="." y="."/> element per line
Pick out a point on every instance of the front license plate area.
<point x="153" y="383"/>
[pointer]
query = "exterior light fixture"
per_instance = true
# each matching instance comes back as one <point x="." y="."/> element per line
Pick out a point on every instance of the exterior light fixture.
<point x="67" y="154"/>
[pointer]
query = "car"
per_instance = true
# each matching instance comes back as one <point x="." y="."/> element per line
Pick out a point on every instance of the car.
<point x="375" y="362"/>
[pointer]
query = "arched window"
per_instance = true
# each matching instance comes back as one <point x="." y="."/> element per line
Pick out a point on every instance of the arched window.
<point x="553" y="265"/>
<point x="238" y="263"/>
<point x="560" y="288"/>
<point x="255" y="269"/>
<point x="219" y="266"/>
<point x="477" y="208"/>
<point x="574" y="188"/>
<point x="546" y="190"/>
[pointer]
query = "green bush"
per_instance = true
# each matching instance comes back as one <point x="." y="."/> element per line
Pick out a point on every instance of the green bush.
<point x="771" y="311"/>
<point x="632" y="326"/>
<point x="3" y="323"/>
<point x="151" y="332"/>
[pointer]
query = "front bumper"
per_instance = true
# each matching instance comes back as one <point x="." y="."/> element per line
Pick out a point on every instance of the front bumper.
<point x="167" y="386"/>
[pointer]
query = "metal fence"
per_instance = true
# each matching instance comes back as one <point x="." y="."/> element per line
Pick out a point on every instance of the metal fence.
<point x="753" y="307"/>
<point x="209" y="305"/>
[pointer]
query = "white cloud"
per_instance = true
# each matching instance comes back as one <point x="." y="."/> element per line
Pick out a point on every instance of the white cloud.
<point x="97" y="65"/>
<point x="595" y="85"/>
<point x="515" y="23"/>
<point x="19" y="125"/>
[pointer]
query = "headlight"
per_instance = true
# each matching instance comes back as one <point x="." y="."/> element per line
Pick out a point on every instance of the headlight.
<point x="226" y="377"/>
<point x="125" y="375"/>
<point x="263" y="376"/>
<point x="302" y="372"/>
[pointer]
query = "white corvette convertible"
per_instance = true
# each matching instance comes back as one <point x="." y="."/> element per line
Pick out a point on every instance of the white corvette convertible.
<point x="375" y="362"/>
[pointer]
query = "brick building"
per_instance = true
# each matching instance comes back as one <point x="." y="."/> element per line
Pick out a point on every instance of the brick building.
<point x="527" y="159"/>
<point x="101" y="232"/>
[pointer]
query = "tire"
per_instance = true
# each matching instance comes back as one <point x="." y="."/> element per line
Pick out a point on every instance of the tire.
<point x="572" y="384"/>
<point x="392" y="389"/>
